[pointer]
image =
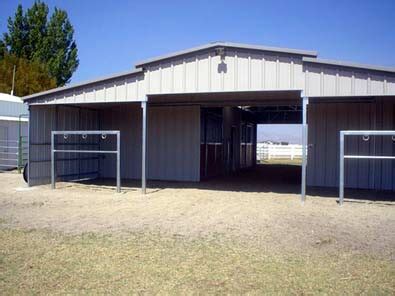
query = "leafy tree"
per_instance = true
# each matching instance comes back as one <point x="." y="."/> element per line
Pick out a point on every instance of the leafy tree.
<point x="49" y="42"/>
<point x="2" y="49"/>
<point x="30" y="76"/>
<point x="16" y="39"/>
<point x="36" y="21"/>
<point x="60" y="50"/>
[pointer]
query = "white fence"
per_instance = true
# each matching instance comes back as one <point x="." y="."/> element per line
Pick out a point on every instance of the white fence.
<point x="267" y="151"/>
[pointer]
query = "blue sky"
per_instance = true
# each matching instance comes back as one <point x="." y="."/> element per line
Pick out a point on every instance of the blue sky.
<point x="113" y="35"/>
<point x="291" y="133"/>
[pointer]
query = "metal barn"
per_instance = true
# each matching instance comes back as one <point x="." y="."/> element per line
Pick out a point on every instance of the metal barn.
<point x="192" y="114"/>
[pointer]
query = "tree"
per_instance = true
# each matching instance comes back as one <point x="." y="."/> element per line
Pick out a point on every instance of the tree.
<point x="49" y="42"/>
<point x="2" y="49"/>
<point x="30" y="76"/>
<point x="60" y="50"/>
<point x="36" y="21"/>
<point x="16" y="40"/>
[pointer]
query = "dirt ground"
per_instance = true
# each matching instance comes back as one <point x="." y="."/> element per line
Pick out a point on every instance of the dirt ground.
<point x="251" y="213"/>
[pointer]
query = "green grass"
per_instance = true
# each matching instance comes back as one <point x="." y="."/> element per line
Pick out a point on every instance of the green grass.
<point x="39" y="262"/>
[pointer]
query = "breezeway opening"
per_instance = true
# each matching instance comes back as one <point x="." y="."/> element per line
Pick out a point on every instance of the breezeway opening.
<point x="228" y="134"/>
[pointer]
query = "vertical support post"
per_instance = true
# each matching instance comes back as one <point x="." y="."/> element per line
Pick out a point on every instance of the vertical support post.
<point x="118" y="162"/>
<point x="19" y="145"/>
<point x="144" y="148"/>
<point x="53" y="177"/>
<point x="28" y="147"/>
<point x="304" y="149"/>
<point x="341" y="167"/>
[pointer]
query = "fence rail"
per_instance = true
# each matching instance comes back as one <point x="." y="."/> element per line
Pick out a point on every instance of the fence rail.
<point x="13" y="153"/>
<point x="267" y="151"/>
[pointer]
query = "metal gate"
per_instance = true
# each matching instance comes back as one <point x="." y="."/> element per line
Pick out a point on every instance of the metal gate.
<point x="13" y="153"/>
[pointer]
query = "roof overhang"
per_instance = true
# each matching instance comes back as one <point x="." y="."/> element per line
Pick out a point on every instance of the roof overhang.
<point x="84" y="83"/>
<point x="348" y="64"/>
<point x="229" y="98"/>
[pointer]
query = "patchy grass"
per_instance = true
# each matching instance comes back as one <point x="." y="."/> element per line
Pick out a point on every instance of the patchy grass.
<point x="40" y="262"/>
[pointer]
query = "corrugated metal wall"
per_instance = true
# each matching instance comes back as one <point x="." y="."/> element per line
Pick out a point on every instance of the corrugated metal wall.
<point x="325" y="120"/>
<point x="43" y="120"/>
<point x="173" y="142"/>
<point x="14" y="109"/>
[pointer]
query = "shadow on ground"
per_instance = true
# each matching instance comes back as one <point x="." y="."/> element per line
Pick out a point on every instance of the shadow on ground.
<point x="276" y="178"/>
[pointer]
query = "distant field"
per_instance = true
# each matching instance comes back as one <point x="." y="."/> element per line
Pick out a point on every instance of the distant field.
<point x="296" y="161"/>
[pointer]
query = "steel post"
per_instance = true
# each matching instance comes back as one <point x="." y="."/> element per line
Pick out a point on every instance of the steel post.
<point x="53" y="177"/>
<point x="144" y="148"/>
<point x="304" y="149"/>
<point x="341" y="167"/>
<point x="28" y="146"/>
<point x="118" y="162"/>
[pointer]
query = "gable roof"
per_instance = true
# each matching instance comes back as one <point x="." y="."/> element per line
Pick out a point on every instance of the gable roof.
<point x="306" y="56"/>
<point x="232" y="45"/>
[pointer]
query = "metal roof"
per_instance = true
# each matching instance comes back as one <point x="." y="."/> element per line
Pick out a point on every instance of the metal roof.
<point x="84" y="83"/>
<point x="229" y="45"/>
<point x="348" y="64"/>
<point x="10" y="98"/>
<point x="307" y="57"/>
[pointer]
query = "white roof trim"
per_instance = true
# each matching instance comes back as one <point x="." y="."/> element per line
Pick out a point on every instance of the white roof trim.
<point x="13" y="118"/>
<point x="348" y="64"/>
<point x="84" y="83"/>
<point x="10" y="98"/>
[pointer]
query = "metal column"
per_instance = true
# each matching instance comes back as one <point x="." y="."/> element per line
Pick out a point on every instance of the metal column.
<point x="304" y="149"/>
<point x="53" y="171"/>
<point x="144" y="148"/>
<point x="29" y="144"/>
<point x="341" y="166"/>
<point x="118" y="162"/>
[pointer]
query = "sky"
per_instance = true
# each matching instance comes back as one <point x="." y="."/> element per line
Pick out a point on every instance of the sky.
<point x="291" y="133"/>
<point x="113" y="35"/>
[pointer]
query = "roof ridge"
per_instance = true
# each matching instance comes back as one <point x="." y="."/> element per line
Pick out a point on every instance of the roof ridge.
<point x="227" y="44"/>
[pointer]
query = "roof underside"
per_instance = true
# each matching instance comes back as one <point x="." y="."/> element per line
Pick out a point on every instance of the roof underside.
<point x="236" y="98"/>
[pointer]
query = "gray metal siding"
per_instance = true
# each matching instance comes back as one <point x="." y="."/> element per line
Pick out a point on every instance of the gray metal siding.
<point x="325" y="120"/>
<point x="173" y="142"/>
<point x="12" y="109"/>
<point x="43" y="120"/>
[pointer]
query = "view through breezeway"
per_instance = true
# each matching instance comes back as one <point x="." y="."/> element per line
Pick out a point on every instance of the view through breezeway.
<point x="279" y="143"/>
